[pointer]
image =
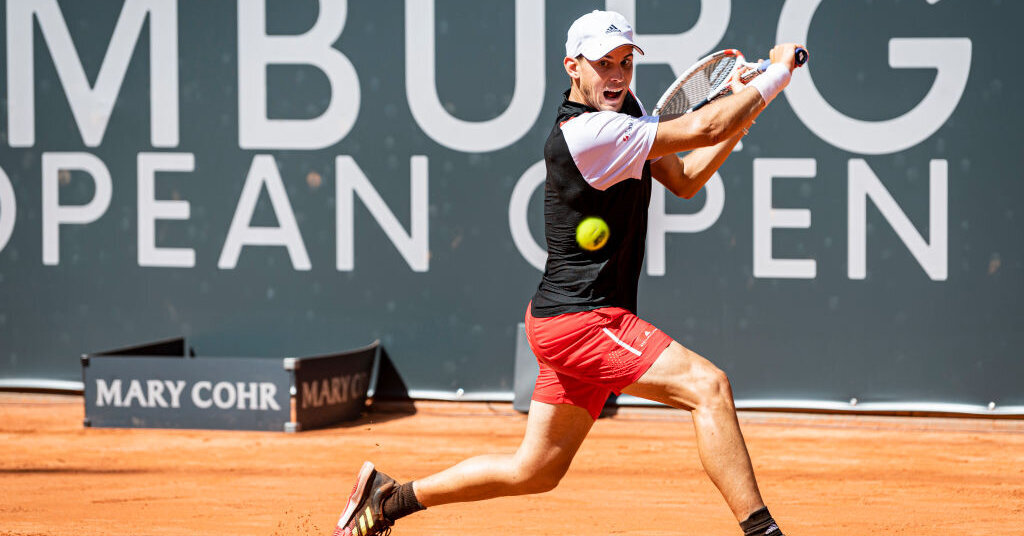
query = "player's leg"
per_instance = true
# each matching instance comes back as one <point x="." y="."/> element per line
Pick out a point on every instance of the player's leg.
<point x="681" y="378"/>
<point x="554" y="432"/>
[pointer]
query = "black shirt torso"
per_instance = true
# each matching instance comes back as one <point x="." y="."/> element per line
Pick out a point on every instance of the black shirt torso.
<point x="576" y="279"/>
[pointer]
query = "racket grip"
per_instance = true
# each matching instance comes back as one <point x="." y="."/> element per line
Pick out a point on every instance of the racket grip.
<point x="801" y="56"/>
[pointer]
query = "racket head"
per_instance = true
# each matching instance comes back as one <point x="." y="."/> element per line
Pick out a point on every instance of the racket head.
<point x="701" y="82"/>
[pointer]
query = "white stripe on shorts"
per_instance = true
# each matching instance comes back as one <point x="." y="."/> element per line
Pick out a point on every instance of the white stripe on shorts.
<point x="620" y="343"/>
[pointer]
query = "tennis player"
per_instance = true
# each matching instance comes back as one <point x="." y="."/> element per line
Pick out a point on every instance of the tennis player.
<point x="582" y="325"/>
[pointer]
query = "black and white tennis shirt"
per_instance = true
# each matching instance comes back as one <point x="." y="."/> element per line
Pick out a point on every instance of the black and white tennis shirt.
<point x="596" y="166"/>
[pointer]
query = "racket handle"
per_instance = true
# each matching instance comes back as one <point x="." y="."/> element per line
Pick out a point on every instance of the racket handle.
<point x="801" y="56"/>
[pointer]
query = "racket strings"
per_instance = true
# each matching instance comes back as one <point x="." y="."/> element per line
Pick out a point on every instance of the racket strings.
<point x="699" y="85"/>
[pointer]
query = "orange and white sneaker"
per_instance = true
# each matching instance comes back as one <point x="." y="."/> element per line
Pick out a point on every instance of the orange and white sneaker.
<point x="364" y="513"/>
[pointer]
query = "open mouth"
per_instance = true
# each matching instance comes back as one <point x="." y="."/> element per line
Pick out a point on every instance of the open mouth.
<point x="613" y="95"/>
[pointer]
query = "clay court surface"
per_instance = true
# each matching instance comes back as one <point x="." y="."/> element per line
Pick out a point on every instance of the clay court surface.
<point x="638" y="473"/>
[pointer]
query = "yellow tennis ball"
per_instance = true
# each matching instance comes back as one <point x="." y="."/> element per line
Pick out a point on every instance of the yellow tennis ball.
<point x="592" y="233"/>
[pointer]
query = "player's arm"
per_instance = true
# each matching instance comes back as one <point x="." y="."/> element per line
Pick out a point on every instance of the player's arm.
<point x="713" y="125"/>
<point x="685" y="176"/>
<point x="709" y="126"/>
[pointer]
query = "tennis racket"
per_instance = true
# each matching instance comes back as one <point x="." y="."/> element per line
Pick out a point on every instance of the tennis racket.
<point x="708" y="79"/>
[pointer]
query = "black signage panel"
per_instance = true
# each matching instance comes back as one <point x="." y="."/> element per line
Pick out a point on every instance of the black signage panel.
<point x="332" y="388"/>
<point x="230" y="393"/>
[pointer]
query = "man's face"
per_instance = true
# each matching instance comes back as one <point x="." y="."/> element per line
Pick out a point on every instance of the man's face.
<point x="603" y="83"/>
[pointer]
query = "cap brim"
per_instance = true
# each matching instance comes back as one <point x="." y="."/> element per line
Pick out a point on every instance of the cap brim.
<point x="598" y="48"/>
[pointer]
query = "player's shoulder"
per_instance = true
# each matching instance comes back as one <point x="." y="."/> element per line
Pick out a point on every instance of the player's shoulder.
<point x="595" y="120"/>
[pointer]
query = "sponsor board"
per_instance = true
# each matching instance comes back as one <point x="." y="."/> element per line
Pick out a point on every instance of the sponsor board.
<point x="330" y="389"/>
<point x="136" y="388"/>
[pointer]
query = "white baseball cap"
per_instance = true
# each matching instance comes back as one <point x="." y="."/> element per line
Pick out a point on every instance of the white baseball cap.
<point x="598" y="33"/>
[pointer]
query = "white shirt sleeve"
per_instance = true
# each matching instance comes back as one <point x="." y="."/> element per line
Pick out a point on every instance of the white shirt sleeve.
<point x="609" y="147"/>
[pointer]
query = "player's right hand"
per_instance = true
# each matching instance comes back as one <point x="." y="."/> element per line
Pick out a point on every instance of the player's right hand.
<point x="785" y="54"/>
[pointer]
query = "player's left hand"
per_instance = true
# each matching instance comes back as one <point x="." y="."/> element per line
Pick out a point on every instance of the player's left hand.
<point x="735" y="82"/>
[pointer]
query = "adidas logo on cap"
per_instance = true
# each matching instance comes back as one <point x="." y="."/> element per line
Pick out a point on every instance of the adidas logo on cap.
<point x="595" y="34"/>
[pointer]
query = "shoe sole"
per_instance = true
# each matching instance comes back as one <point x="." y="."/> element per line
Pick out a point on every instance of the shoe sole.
<point x="362" y="484"/>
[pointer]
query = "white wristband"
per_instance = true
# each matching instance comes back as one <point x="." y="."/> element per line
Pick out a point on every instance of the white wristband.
<point x="775" y="78"/>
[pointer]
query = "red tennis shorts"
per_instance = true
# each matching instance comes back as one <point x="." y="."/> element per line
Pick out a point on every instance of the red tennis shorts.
<point x="586" y="356"/>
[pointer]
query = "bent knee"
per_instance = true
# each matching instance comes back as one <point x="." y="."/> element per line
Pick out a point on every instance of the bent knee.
<point x="540" y="478"/>
<point x="541" y="483"/>
<point x="713" y="387"/>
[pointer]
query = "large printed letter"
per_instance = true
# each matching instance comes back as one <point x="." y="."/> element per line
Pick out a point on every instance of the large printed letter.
<point x="660" y="223"/>
<point x="517" y="221"/>
<point x="680" y="50"/>
<point x="421" y="87"/>
<point x="767" y="217"/>
<point x="414" y="246"/>
<point x="8" y="209"/>
<point x="264" y="172"/>
<point x="92" y="106"/>
<point x="949" y="56"/>
<point x="108" y="395"/>
<point x="257" y="50"/>
<point x="54" y="214"/>
<point x="151" y="210"/>
<point x="864" y="184"/>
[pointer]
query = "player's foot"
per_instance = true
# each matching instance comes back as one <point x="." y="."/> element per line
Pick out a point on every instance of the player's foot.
<point x="364" y="513"/>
